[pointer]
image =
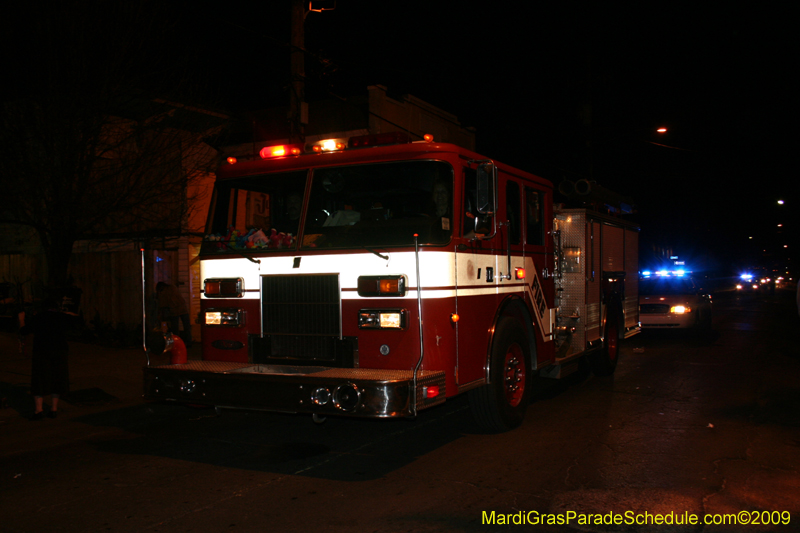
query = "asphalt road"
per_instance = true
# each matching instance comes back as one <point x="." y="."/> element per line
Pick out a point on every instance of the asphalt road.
<point x="691" y="425"/>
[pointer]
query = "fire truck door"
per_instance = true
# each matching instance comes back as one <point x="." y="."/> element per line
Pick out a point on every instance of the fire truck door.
<point x="477" y="285"/>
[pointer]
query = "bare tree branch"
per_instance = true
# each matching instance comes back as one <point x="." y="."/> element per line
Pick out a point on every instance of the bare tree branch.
<point x="91" y="144"/>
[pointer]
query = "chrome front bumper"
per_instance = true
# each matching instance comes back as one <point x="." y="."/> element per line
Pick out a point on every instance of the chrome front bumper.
<point x="296" y="389"/>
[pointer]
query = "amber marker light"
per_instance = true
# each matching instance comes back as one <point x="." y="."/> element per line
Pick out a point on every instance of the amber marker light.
<point x="428" y="138"/>
<point x="662" y="130"/>
<point x="519" y="273"/>
<point x="232" y="160"/>
<point x="372" y="286"/>
<point x="454" y="318"/>
<point x="389" y="285"/>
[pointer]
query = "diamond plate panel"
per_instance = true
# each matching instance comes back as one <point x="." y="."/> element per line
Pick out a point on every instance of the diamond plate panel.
<point x="572" y="312"/>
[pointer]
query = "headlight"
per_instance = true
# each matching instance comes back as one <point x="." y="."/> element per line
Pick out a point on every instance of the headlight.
<point x="382" y="318"/>
<point x="224" y="317"/>
<point x="223" y="288"/>
<point x="680" y="309"/>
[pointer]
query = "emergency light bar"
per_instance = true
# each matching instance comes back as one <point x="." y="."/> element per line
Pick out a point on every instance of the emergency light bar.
<point x="666" y="273"/>
<point x="335" y="145"/>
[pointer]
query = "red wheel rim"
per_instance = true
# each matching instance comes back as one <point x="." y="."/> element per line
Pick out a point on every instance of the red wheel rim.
<point x="514" y="375"/>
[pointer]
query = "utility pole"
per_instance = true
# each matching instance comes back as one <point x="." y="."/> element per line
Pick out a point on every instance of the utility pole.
<point x="298" y="108"/>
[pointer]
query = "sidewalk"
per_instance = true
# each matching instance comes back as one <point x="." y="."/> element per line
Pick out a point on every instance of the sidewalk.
<point x="101" y="378"/>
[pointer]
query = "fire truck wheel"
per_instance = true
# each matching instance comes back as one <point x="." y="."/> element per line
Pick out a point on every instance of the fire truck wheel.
<point x="500" y="406"/>
<point x="604" y="362"/>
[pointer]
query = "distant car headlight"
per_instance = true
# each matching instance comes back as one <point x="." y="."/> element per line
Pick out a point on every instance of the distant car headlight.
<point x="680" y="309"/>
<point x="739" y="286"/>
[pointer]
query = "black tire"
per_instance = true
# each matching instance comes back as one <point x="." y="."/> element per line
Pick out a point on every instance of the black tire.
<point x="604" y="362"/>
<point x="500" y="406"/>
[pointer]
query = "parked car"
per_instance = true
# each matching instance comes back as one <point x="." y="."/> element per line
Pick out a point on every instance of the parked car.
<point x="673" y="302"/>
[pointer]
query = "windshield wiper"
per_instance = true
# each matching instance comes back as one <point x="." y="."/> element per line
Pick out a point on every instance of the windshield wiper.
<point x="232" y="249"/>
<point x="384" y="257"/>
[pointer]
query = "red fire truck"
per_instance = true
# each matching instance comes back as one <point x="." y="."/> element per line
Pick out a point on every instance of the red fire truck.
<point x="377" y="277"/>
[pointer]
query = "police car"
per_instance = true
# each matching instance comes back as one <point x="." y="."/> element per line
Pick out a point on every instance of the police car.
<point x="672" y="300"/>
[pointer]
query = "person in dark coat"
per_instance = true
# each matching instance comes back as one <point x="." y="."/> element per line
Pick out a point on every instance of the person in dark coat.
<point x="49" y="368"/>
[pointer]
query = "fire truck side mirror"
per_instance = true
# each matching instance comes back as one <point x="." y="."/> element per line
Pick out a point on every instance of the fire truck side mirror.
<point x="487" y="184"/>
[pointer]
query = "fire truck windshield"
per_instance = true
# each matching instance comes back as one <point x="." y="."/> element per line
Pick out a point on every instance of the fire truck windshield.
<point x="371" y="205"/>
<point x="382" y="204"/>
<point x="256" y="213"/>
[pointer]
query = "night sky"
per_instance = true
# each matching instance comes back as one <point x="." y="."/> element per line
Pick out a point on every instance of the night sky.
<point x="571" y="90"/>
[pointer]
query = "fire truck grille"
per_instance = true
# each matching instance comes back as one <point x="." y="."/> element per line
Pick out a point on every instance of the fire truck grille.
<point x="654" y="309"/>
<point x="301" y="305"/>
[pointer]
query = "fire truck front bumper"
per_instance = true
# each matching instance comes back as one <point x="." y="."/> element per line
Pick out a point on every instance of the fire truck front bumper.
<point x="296" y="389"/>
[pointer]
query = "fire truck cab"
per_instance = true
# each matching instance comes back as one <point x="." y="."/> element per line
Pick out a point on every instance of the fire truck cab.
<point x="376" y="277"/>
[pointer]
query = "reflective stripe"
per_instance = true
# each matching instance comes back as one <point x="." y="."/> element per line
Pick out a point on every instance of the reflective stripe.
<point x="438" y="269"/>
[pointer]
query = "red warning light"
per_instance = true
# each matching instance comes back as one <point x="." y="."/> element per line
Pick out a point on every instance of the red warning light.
<point x="280" y="150"/>
<point x="519" y="273"/>
<point x="232" y="160"/>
